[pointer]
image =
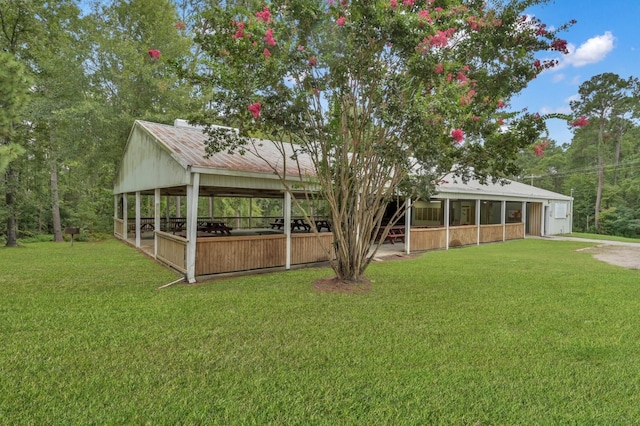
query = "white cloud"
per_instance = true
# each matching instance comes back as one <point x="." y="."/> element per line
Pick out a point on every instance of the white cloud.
<point x="557" y="78"/>
<point x="591" y="51"/>
<point x="565" y="109"/>
<point x="572" y="98"/>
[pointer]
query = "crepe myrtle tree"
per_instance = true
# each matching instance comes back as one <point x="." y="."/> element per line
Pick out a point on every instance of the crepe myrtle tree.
<point x="384" y="97"/>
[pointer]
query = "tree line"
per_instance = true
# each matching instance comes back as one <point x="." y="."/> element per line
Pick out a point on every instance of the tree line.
<point x="600" y="168"/>
<point x="74" y="76"/>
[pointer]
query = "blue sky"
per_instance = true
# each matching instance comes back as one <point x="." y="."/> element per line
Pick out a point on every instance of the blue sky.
<point x="606" y="38"/>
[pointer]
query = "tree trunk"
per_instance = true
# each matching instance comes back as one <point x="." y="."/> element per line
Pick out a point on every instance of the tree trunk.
<point x="55" y="204"/>
<point x="599" y="191"/>
<point x="10" y="198"/>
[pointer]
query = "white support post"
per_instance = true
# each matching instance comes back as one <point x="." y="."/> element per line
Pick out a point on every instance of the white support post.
<point x="446" y="222"/>
<point x="156" y="220"/>
<point x="524" y="219"/>
<point x="503" y="219"/>
<point x="178" y="207"/>
<point x="407" y="228"/>
<point x="138" y="219"/>
<point x="211" y="208"/>
<point x="125" y="216"/>
<point x="192" y="226"/>
<point x="287" y="229"/>
<point x="478" y="218"/>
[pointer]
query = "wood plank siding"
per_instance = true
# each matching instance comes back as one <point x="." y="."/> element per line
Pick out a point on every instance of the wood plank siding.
<point x="216" y="255"/>
<point x="534" y="219"/>
<point x="305" y="248"/>
<point x="118" y="228"/>
<point x="172" y="250"/>
<point x="491" y="233"/>
<point x="514" y="231"/>
<point x="463" y="235"/>
<point x="428" y="238"/>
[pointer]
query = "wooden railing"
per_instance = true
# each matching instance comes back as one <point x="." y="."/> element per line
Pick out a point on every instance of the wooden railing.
<point x="172" y="250"/>
<point x="428" y="238"/>
<point x="514" y="231"/>
<point x="118" y="228"/>
<point x="306" y="248"/>
<point x="463" y="235"/>
<point x="491" y="233"/>
<point x="242" y="253"/>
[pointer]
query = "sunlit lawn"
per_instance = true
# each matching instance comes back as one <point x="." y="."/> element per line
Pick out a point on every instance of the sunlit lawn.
<point x="525" y="332"/>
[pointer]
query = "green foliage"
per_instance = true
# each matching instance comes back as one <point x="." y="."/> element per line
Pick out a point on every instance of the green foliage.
<point x="476" y="335"/>
<point x="384" y="100"/>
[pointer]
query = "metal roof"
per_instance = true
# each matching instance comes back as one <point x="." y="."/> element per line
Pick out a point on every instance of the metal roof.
<point x="451" y="187"/>
<point x="187" y="146"/>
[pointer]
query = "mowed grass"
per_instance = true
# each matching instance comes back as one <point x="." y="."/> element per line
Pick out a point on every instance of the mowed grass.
<point x="525" y="332"/>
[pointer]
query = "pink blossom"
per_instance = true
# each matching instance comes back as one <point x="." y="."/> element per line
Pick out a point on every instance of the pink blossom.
<point x="501" y="121"/>
<point x="240" y="32"/>
<point x="462" y="78"/>
<point x="423" y="14"/>
<point x="300" y="48"/>
<point x="394" y="3"/>
<point x="458" y="135"/>
<point x="266" y="53"/>
<point x="154" y="54"/>
<point x="255" y="109"/>
<point x="313" y="61"/>
<point x="268" y="38"/>
<point x="409" y="2"/>
<point x="341" y="21"/>
<point x="500" y="104"/>
<point x="264" y="15"/>
<point x="179" y="25"/>
<point x="541" y="30"/>
<point x="538" y="149"/>
<point x="466" y="98"/>
<point x="439" y="69"/>
<point x="559" y="45"/>
<point x="580" y="122"/>
<point x="475" y="118"/>
<point x="441" y="38"/>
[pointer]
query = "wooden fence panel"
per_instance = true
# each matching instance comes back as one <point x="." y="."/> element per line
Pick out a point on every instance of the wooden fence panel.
<point x="515" y="231"/>
<point x="491" y="233"/>
<point x="118" y="228"/>
<point x="215" y="255"/>
<point x="428" y="238"/>
<point x="463" y="235"/>
<point x="305" y="248"/>
<point x="172" y="250"/>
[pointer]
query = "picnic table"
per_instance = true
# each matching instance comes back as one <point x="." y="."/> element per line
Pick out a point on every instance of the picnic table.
<point x="296" y="223"/>
<point x="395" y="233"/>
<point x="323" y="223"/>
<point x="214" y="227"/>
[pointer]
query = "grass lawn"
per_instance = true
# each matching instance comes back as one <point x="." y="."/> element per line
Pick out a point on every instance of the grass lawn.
<point x="525" y="332"/>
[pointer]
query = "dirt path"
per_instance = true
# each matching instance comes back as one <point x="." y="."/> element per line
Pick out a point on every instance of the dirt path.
<point x="617" y="253"/>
